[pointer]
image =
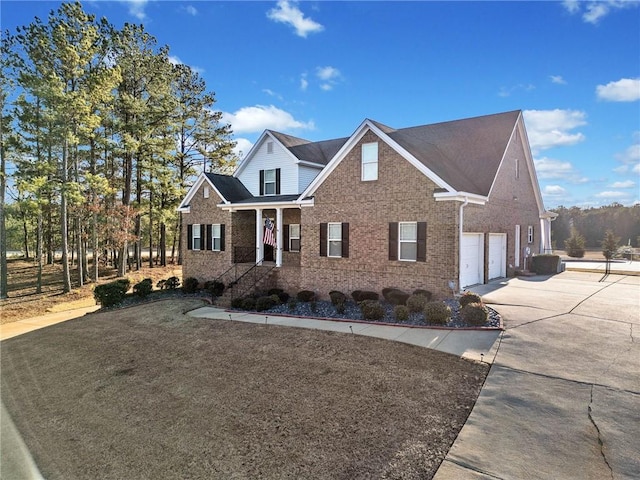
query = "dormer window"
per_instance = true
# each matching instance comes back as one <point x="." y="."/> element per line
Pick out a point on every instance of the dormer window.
<point x="270" y="182"/>
<point x="369" y="162"/>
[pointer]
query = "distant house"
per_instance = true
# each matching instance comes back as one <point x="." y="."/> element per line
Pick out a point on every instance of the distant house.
<point x="453" y="203"/>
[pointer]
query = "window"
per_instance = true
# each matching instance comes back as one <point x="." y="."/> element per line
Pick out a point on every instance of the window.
<point x="270" y="182"/>
<point x="369" y="161"/>
<point x="206" y="192"/>
<point x="408" y="241"/>
<point x="216" y="237"/>
<point x="269" y="147"/>
<point x="335" y="239"/>
<point x="196" y="243"/>
<point x="530" y="234"/>
<point x="294" y="238"/>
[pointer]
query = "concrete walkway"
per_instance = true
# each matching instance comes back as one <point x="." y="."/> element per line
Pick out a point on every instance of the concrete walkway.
<point x="617" y="267"/>
<point x="13" y="329"/>
<point x="562" y="398"/>
<point x="479" y="345"/>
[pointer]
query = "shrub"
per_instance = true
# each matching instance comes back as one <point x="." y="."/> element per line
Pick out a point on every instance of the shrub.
<point x="401" y="312"/>
<point x="371" y="310"/>
<point x="112" y="293"/>
<point x="172" y="283"/>
<point x="416" y="303"/>
<point x="143" y="288"/>
<point x="469" y="297"/>
<point x="475" y="314"/>
<point x="266" y="302"/>
<point x="437" y="312"/>
<point x="575" y="244"/>
<point x="313" y="305"/>
<point x="398" y="297"/>
<point x="293" y="303"/>
<point x="337" y="298"/>
<point x="248" y="303"/>
<point x="214" y="287"/>
<point x="161" y="284"/>
<point x="545" y="264"/>
<point x="340" y="308"/>
<point x="237" y="302"/>
<point x="282" y="295"/>
<point x="190" y="285"/>
<point x="362" y="295"/>
<point x="306" y="295"/>
<point x="386" y="291"/>
<point x="424" y="293"/>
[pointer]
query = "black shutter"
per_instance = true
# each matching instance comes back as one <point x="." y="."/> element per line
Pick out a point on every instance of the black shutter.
<point x="277" y="181"/>
<point x="421" y="255"/>
<point x="393" y="240"/>
<point x="203" y="236"/>
<point x="261" y="182"/>
<point x="323" y="239"/>
<point x="209" y="235"/>
<point x="189" y="237"/>
<point x="222" y="237"/>
<point x="345" y="240"/>
<point x="285" y="234"/>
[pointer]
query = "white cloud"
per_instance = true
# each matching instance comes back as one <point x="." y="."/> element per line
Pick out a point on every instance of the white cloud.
<point x="289" y="13"/>
<point x="613" y="194"/>
<point x="304" y="83"/>
<point x="557" y="79"/>
<point x="625" y="184"/>
<point x="507" y="91"/>
<point x="261" y="117"/>
<point x="593" y="11"/>
<point x="242" y="147"/>
<point x="624" y="90"/>
<point x="175" y="60"/>
<point x="552" y="128"/>
<point x="329" y="76"/>
<point x="191" y="10"/>
<point x="630" y="158"/>
<point x="549" y="168"/>
<point x="136" y="8"/>
<point x="554" y="191"/>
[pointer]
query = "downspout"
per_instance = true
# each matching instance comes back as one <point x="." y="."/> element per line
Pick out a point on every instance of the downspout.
<point x="462" y="205"/>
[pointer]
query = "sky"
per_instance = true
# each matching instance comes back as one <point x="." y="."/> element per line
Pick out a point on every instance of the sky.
<point x="318" y="69"/>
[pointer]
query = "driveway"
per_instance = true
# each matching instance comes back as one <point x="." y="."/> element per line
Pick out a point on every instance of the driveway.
<point x="562" y="399"/>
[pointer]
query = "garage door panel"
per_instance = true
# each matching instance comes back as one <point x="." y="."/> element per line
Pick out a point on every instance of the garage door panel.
<point x="497" y="255"/>
<point x="471" y="266"/>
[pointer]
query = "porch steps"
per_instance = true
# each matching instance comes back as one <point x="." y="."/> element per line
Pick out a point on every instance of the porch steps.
<point x="261" y="278"/>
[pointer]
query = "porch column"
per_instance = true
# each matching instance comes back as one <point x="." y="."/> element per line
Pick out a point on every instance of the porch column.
<point x="259" y="239"/>
<point x="279" y="237"/>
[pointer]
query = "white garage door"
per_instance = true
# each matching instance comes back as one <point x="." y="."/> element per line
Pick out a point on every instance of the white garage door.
<point x="472" y="259"/>
<point x="497" y="255"/>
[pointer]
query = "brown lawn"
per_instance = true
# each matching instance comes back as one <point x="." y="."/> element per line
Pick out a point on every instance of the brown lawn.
<point x="148" y="392"/>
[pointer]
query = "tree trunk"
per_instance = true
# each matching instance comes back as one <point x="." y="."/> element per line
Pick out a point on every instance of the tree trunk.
<point x="39" y="253"/>
<point x="79" y="245"/>
<point x="3" y="231"/>
<point x="64" y="230"/>
<point x="163" y="244"/>
<point x="150" y="229"/>
<point x="96" y="255"/>
<point x="25" y="233"/>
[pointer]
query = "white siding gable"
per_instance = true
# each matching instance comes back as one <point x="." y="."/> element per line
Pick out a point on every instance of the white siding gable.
<point x="306" y="175"/>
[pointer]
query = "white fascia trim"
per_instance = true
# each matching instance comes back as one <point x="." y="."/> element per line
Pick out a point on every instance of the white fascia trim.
<point x="354" y="139"/>
<point x="186" y="209"/>
<point x="310" y="164"/>
<point x="550" y="215"/>
<point x="262" y="205"/>
<point x="194" y="188"/>
<point x="532" y="168"/>
<point x="460" y="197"/>
<point x="245" y="161"/>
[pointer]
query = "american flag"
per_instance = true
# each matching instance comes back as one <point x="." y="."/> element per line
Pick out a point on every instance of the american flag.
<point x="269" y="238"/>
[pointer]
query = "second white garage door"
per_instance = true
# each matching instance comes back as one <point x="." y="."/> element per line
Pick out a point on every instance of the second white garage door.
<point x="497" y="255"/>
<point x="472" y="259"/>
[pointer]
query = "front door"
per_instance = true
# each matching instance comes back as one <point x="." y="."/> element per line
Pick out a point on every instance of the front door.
<point x="268" y="253"/>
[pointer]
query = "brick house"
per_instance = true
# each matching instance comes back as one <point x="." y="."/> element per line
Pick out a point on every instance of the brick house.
<point x="453" y="203"/>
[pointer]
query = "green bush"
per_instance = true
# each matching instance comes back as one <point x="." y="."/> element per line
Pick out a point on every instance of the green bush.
<point x="112" y="293"/>
<point x="162" y="284"/>
<point x="386" y="291"/>
<point x="190" y="285"/>
<point x="362" y="295"/>
<point x="416" y="303"/>
<point x="143" y="288"/>
<point x="248" y="303"/>
<point x="469" y="297"/>
<point x="282" y="295"/>
<point x="293" y="303"/>
<point x="425" y="293"/>
<point x="545" y="264"/>
<point x="475" y="314"/>
<point x="306" y="296"/>
<point x="266" y="302"/>
<point x="371" y="310"/>
<point x="337" y="298"/>
<point x="237" y="302"/>
<point x="172" y="283"/>
<point x="401" y="312"/>
<point x="214" y="287"/>
<point x="397" y="297"/>
<point x="437" y="312"/>
<point x="575" y="244"/>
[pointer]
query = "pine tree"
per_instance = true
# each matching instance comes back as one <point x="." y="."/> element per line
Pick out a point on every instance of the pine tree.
<point x="610" y="244"/>
<point x="575" y="244"/>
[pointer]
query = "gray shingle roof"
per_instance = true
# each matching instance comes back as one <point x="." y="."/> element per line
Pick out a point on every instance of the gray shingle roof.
<point x="229" y="187"/>
<point x="317" y="152"/>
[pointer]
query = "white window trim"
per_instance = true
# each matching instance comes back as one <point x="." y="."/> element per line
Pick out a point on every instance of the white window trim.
<point x="330" y="239"/>
<point x="292" y="237"/>
<point x="400" y="241"/>
<point x="196" y="228"/>
<point x="214" y="237"/>
<point x="530" y="234"/>
<point x="270" y="182"/>
<point x="516" y="246"/>
<point x="363" y="162"/>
